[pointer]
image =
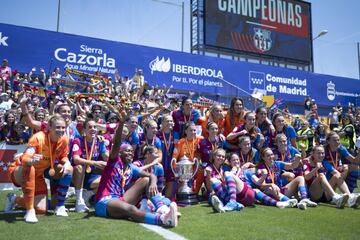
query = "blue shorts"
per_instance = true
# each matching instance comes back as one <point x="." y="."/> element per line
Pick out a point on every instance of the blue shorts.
<point x="101" y="206"/>
<point x="89" y="179"/>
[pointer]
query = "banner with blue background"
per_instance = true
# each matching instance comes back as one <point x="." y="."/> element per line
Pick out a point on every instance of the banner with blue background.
<point x="27" y="47"/>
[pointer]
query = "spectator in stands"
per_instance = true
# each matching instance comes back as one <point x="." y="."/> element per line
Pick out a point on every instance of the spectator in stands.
<point x="5" y="75"/>
<point x="357" y="124"/>
<point x="7" y="129"/>
<point x="96" y="113"/>
<point x="333" y="118"/>
<point x="313" y="121"/>
<point x="347" y="134"/>
<point x="6" y="101"/>
<point x="314" y="109"/>
<point x="20" y="136"/>
<point x="307" y="106"/>
<point x="306" y="136"/>
<point x="296" y="123"/>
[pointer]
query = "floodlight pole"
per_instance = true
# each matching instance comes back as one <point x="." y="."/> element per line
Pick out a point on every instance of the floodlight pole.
<point x="58" y="17"/>
<point x="182" y="25"/>
<point x="358" y="51"/>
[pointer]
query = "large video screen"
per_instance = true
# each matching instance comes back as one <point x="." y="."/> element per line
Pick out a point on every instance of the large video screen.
<point x="279" y="28"/>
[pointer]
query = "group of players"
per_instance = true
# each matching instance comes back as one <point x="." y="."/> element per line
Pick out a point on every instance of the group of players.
<point x="123" y="157"/>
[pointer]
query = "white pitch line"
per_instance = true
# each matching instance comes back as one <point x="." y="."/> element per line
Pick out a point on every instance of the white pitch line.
<point x="163" y="232"/>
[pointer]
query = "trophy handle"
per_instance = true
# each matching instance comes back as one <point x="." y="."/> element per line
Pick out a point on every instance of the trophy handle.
<point x="197" y="166"/>
<point x="172" y="168"/>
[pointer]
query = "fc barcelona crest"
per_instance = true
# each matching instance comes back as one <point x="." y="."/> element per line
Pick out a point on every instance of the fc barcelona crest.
<point x="262" y="39"/>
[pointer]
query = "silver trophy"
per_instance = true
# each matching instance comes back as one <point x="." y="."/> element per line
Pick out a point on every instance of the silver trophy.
<point x="184" y="172"/>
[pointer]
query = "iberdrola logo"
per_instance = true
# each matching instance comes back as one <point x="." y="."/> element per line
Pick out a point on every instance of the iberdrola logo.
<point x="160" y="65"/>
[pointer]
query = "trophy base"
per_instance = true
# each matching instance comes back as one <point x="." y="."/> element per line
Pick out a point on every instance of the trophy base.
<point x="186" y="199"/>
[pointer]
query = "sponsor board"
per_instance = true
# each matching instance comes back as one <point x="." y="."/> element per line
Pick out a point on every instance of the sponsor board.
<point x="188" y="72"/>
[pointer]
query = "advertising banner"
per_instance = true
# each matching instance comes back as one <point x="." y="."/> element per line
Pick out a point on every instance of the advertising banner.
<point x="279" y="28"/>
<point x="7" y="153"/>
<point x="26" y="48"/>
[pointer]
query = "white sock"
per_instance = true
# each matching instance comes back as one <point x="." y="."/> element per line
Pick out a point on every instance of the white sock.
<point x="79" y="195"/>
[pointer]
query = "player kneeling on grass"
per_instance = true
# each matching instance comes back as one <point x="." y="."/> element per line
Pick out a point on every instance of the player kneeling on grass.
<point x="44" y="150"/>
<point x="272" y="185"/>
<point x="115" y="200"/>
<point x="319" y="187"/>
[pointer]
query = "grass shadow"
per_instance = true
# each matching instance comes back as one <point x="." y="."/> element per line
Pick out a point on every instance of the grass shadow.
<point x="12" y="217"/>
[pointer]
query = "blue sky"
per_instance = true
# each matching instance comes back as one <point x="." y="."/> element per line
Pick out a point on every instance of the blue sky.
<point x="158" y="24"/>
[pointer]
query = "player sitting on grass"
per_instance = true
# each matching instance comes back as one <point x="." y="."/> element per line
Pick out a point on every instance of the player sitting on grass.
<point x="319" y="187"/>
<point x="273" y="186"/>
<point x="339" y="165"/>
<point x="114" y="202"/>
<point x="223" y="186"/>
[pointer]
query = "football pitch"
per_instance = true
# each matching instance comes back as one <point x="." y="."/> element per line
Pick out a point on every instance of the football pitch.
<point x="196" y="222"/>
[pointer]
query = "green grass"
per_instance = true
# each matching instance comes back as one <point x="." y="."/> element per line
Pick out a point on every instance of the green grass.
<point x="197" y="222"/>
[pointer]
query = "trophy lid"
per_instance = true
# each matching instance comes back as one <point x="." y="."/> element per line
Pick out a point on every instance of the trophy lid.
<point x="185" y="161"/>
